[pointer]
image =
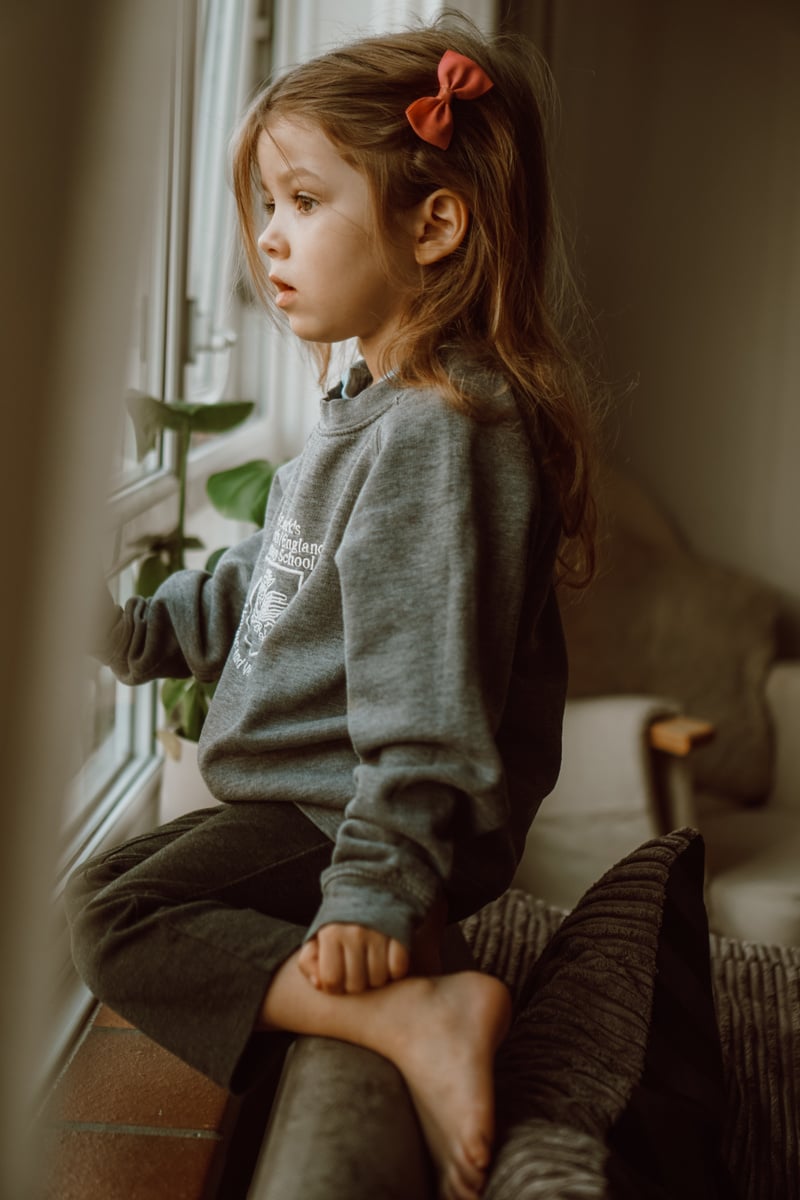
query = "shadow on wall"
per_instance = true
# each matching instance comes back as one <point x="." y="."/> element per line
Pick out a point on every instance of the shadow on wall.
<point x="75" y="157"/>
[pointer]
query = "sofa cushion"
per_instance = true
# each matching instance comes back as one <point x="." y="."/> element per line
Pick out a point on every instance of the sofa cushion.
<point x="753" y="892"/>
<point x="757" y="993"/>
<point x="615" y="1049"/>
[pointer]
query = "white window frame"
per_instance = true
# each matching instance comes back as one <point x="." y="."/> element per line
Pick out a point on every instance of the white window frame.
<point x="128" y="803"/>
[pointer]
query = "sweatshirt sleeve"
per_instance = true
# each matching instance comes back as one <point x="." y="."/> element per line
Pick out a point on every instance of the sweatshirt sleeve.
<point x="186" y="627"/>
<point x="432" y="572"/>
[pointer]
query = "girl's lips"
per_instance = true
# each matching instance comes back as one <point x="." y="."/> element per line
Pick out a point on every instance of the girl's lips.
<point x="283" y="292"/>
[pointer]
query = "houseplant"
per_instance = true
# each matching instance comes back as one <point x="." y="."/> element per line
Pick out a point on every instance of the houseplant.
<point x="239" y="493"/>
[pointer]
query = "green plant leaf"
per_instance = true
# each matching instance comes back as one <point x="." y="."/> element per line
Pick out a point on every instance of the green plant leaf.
<point x="172" y="693"/>
<point x="152" y="573"/>
<point x="210" y="418"/>
<point x="213" y="559"/>
<point x="149" y="543"/>
<point x="146" y="414"/>
<point x="191" y="716"/>
<point x="151" y="417"/>
<point x="241" y="492"/>
<point x="186" y="703"/>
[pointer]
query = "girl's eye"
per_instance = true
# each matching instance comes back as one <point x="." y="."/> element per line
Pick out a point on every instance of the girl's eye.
<point x="269" y="207"/>
<point x="305" y="204"/>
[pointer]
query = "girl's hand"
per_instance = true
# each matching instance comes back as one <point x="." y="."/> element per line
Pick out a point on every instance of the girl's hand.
<point x="344" y="958"/>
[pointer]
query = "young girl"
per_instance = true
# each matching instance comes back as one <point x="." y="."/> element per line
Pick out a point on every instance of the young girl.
<point x="390" y="665"/>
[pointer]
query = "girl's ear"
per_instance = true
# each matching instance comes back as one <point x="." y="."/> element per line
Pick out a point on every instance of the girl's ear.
<point x="439" y="226"/>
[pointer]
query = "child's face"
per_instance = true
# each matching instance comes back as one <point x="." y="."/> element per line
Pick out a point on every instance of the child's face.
<point x="330" y="276"/>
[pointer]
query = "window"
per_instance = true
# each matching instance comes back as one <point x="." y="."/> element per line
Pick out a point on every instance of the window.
<point x="180" y="348"/>
<point x="211" y="242"/>
<point x="146" y="364"/>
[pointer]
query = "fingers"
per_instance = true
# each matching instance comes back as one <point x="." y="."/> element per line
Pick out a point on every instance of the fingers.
<point x="377" y="965"/>
<point x="308" y="962"/>
<point x="356" y="969"/>
<point x="397" y="959"/>
<point x="348" y="958"/>
<point x="344" y="958"/>
<point x="331" y="961"/>
<point x="352" y="959"/>
<point x="322" y="964"/>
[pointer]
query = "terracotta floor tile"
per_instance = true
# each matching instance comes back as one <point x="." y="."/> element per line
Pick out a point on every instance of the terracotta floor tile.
<point x="119" y="1166"/>
<point x="122" y="1078"/>
<point x="106" y="1018"/>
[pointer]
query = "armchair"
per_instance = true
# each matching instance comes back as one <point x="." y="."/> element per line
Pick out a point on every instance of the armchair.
<point x="753" y="888"/>
<point x="663" y="632"/>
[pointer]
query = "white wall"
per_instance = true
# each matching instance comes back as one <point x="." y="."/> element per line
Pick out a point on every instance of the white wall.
<point x="680" y="167"/>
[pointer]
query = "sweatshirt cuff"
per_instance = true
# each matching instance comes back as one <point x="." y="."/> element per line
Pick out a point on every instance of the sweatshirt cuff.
<point x="361" y="905"/>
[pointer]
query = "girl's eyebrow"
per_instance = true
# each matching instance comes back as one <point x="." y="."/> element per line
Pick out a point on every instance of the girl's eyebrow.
<point x="297" y="175"/>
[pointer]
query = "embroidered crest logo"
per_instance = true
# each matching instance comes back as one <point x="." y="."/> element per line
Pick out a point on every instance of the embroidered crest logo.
<point x="282" y="572"/>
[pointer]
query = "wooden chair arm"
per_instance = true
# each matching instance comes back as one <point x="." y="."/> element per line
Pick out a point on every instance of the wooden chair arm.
<point x="679" y="735"/>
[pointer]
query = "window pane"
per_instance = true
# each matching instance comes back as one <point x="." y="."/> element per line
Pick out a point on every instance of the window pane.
<point x="115" y="730"/>
<point x="221" y="89"/>
<point x="146" y="357"/>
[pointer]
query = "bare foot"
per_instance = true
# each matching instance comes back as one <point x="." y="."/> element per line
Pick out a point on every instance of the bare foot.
<point x="444" y="1048"/>
<point x="441" y="1032"/>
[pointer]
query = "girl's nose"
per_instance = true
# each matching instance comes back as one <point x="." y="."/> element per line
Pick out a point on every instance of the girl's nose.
<point x="272" y="242"/>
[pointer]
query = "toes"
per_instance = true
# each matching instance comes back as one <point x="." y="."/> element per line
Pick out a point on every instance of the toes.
<point x="461" y="1182"/>
<point x="462" y="1179"/>
<point x="478" y="1152"/>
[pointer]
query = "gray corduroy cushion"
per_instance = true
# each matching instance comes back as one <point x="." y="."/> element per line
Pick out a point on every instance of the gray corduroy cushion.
<point x="756" y="993"/>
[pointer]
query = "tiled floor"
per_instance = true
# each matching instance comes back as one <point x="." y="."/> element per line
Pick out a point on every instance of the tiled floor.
<point x="128" y="1121"/>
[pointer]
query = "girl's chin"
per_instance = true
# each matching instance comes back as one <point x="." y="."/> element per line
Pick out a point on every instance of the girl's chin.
<point x="309" y="331"/>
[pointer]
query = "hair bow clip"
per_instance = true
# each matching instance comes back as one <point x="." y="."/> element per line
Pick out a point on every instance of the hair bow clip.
<point x="431" y="117"/>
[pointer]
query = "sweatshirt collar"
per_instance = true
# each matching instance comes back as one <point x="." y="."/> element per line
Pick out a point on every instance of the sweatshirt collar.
<point x="356" y="400"/>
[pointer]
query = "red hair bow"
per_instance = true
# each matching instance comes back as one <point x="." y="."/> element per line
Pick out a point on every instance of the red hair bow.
<point x="431" y="117"/>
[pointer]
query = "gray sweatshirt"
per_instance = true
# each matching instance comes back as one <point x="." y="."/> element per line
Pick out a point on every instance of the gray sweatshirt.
<point x="388" y="651"/>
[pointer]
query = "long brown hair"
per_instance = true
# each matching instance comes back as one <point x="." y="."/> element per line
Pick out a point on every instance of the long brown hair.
<point x="505" y="295"/>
